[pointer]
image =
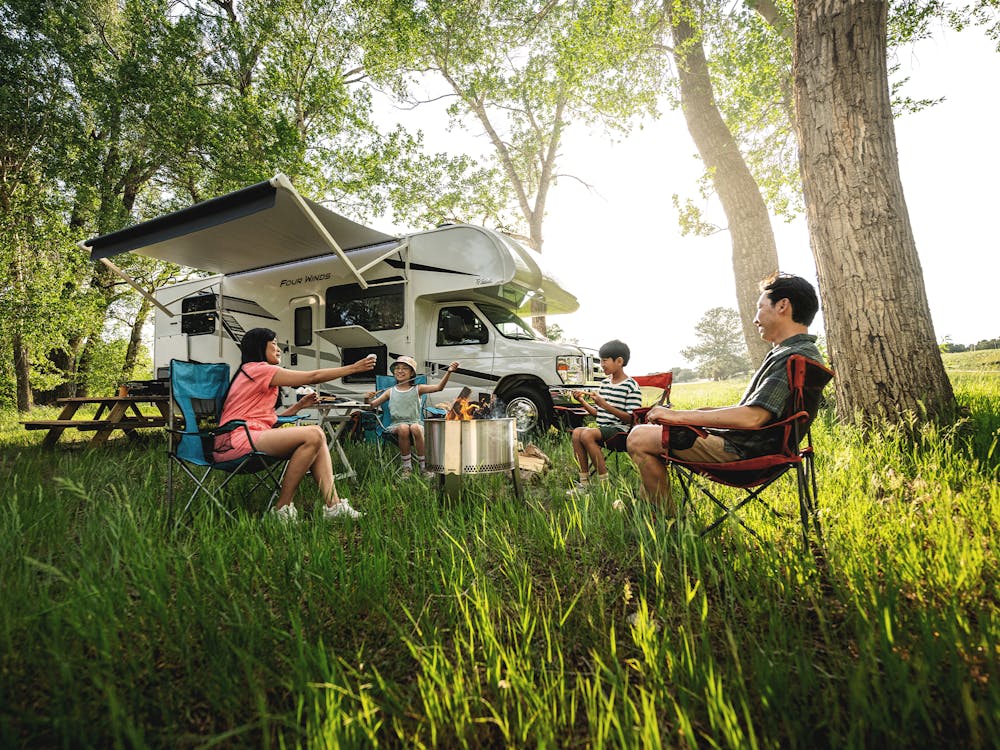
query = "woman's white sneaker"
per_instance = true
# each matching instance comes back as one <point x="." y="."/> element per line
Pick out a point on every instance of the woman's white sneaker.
<point x="285" y="514"/>
<point x="341" y="509"/>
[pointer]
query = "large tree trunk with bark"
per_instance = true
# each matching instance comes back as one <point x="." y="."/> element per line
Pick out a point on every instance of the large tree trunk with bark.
<point x="878" y="322"/>
<point x="538" y="307"/>
<point x="755" y="255"/>
<point x="22" y="372"/>
<point x="135" y="338"/>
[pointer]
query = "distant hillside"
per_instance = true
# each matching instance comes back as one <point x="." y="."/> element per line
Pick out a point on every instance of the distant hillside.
<point x="987" y="360"/>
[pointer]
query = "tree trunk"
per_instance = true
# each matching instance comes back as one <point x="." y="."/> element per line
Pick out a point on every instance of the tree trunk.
<point x="22" y="372"/>
<point x="135" y="338"/>
<point x="878" y="322"/>
<point x="755" y="255"/>
<point x="538" y="307"/>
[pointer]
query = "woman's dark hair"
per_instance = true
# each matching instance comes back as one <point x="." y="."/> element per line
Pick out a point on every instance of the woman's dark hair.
<point x="615" y="349"/>
<point x="253" y="348"/>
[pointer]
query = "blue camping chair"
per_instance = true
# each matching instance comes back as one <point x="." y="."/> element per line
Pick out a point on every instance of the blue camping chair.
<point x="197" y="393"/>
<point x="384" y="419"/>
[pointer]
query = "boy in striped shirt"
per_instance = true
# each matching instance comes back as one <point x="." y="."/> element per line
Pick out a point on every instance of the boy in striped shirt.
<point x="613" y="405"/>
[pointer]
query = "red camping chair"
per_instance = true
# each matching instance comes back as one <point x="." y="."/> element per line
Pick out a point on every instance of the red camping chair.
<point x="807" y="379"/>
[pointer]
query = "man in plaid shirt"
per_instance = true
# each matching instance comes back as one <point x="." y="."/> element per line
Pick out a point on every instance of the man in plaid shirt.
<point x="786" y="307"/>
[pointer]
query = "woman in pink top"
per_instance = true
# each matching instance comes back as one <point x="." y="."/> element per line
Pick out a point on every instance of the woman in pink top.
<point x="252" y="397"/>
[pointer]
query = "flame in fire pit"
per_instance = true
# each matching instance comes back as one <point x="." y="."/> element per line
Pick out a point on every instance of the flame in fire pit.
<point x="462" y="409"/>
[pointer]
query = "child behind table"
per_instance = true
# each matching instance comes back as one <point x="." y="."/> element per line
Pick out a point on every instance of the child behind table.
<point x="407" y="421"/>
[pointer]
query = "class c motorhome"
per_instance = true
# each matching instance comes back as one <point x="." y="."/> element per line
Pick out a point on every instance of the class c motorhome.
<point x="336" y="291"/>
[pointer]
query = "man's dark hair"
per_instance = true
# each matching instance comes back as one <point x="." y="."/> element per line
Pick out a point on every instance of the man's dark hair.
<point x="797" y="291"/>
<point x="615" y="349"/>
<point x="253" y="347"/>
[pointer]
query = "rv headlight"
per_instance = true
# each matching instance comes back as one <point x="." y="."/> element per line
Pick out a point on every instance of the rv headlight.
<point x="570" y="369"/>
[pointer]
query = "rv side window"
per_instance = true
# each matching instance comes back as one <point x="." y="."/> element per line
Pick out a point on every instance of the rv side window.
<point x="194" y="322"/>
<point x="303" y="326"/>
<point x="460" y="325"/>
<point x="377" y="308"/>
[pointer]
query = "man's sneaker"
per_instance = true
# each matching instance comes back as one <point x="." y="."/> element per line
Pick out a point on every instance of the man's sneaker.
<point x="285" y="514"/>
<point x="579" y="488"/>
<point x="341" y="509"/>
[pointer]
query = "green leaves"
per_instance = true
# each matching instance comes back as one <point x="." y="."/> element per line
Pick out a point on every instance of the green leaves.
<point x="522" y="72"/>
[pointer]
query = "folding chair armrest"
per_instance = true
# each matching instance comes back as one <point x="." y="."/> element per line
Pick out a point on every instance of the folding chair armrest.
<point x="236" y="424"/>
<point x="233" y="424"/>
<point x="702" y="430"/>
<point x="639" y="415"/>
<point x="199" y="433"/>
<point x="769" y="426"/>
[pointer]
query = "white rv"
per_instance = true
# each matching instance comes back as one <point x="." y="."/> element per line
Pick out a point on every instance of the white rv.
<point x="335" y="291"/>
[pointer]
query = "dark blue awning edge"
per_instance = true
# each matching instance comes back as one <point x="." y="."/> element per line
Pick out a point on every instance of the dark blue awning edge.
<point x="212" y="212"/>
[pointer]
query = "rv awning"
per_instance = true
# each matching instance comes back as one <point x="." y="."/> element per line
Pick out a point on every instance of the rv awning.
<point x="258" y="226"/>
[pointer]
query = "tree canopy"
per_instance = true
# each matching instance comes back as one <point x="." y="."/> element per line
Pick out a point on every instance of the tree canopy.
<point x="721" y="351"/>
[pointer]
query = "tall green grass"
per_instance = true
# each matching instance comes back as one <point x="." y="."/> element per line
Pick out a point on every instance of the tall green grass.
<point x="485" y="621"/>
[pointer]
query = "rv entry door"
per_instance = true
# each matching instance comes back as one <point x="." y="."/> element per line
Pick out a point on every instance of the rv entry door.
<point x="304" y="349"/>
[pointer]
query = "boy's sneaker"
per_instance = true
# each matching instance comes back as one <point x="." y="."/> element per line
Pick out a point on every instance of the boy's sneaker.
<point x="580" y="488"/>
<point x="341" y="509"/>
<point x="285" y="514"/>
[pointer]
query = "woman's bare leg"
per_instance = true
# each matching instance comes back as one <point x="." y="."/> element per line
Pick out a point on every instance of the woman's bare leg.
<point x="305" y="448"/>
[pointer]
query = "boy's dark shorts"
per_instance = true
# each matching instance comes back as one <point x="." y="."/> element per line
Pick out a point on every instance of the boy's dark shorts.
<point x="608" y="432"/>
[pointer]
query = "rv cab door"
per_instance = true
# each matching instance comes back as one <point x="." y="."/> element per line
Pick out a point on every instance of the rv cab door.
<point x="460" y="334"/>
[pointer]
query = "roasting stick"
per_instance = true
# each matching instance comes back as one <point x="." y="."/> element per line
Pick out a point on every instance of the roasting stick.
<point x="376" y="394"/>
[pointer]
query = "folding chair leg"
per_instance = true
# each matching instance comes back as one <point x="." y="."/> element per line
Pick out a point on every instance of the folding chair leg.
<point x="806" y="477"/>
<point x="202" y="487"/>
<point x="170" y="488"/>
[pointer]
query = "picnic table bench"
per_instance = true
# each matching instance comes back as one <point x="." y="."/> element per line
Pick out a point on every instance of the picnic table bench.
<point x="113" y="413"/>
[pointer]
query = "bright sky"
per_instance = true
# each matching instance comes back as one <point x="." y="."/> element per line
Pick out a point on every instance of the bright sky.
<point x="626" y="228"/>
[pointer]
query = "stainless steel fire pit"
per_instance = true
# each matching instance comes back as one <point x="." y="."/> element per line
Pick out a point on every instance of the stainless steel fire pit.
<point x="477" y="446"/>
<point x="472" y="446"/>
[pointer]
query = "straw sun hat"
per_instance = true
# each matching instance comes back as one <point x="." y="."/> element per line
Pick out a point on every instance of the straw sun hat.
<point x="408" y="361"/>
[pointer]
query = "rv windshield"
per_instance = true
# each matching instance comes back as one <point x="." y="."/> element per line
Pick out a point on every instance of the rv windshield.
<point x="509" y="325"/>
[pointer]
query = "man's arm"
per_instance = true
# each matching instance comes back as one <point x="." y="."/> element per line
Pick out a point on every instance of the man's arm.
<point x="735" y="417"/>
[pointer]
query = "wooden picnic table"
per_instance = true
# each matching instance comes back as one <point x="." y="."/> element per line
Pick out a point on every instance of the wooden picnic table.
<point x="113" y="413"/>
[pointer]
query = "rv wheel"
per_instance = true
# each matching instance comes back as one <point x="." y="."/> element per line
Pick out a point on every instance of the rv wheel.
<point x="530" y="410"/>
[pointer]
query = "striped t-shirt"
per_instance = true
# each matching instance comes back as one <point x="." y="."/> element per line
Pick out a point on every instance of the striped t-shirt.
<point x="625" y="395"/>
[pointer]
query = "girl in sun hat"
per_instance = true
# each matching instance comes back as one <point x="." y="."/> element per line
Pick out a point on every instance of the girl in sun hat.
<point x="404" y="409"/>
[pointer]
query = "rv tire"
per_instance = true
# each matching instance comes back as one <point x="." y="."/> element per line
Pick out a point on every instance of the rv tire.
<point x="530" y="408"/>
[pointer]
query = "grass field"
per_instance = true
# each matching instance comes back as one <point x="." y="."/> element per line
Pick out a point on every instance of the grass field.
<point x="488" y="622"/>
